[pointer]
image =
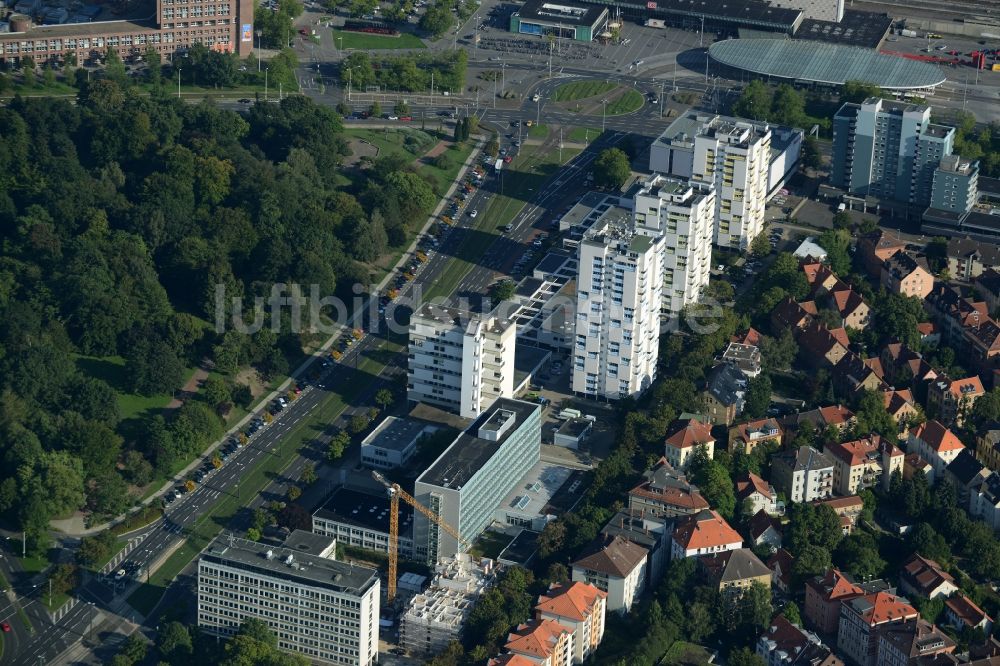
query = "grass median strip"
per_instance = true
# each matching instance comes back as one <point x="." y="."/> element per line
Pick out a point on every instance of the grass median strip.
<point x="533" y="166"/>
<point x="629" y="102"/>
<point x="569" y="92"/>
<point x="213" y="521"/>
<point x="346" y="39"/>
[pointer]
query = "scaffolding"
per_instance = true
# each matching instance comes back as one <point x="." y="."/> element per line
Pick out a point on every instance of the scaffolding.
<point x="435" y="617"/>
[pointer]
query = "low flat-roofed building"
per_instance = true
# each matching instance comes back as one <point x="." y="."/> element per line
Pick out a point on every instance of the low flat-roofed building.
<point x="240" y="579"/>
<point x="471" y="478"/>
<point x="393" y="442"/>
<point x="528" y="505"/>
<point x="361" y="519"/>
<point x="572" y="432"/>
<point x="582" y="23"/>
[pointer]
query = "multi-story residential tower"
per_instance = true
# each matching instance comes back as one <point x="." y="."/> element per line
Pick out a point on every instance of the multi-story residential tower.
<point x="171" y="28"/>
<point x="471" y="478"/>
<point x="683" y="212"/>
<point x="955" y="184"/>
<point x="459" y="360"/>
<point x="736" y="157"/>
<point x="316" y="606"/>
<point x="888" y="149"/>
<point x="619" y="292"/>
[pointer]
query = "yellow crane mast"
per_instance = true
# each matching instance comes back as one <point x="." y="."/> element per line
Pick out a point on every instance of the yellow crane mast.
<point x="395" y="493"/>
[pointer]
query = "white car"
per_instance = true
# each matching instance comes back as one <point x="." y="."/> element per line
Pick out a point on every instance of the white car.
<point x="473" y="213"/>
<point x="392" y="117"/>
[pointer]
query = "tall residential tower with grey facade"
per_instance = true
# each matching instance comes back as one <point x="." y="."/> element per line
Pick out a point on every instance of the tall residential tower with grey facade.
<point x="889" y="150"/>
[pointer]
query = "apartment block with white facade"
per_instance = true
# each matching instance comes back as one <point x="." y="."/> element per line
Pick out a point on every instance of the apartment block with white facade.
<point x="460" y="361"/>
<point x="735" y="156"/>
<point x="619" y="293"/>
<point x="325" y="610"/>
<point x="683" y="212"/>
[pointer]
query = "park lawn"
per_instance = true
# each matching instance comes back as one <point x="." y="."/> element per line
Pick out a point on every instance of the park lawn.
<point x="630" y="102"/>
<point x="364" y="41"/>
<point x="569" y="92"/>
<point x="112" y="370"/>
<point x="583" y="134"/>
<point x="145" y="598"/>
<point x="538" y="132"/>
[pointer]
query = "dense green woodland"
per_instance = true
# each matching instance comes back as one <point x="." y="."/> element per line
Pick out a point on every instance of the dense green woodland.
<point x="118" y="217"/>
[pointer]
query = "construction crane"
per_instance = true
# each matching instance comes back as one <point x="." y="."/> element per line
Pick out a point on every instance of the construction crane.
<point x="395" y="493"/>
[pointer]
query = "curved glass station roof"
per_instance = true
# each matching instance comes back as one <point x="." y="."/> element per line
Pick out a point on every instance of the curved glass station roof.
<point x="818" y="62"/>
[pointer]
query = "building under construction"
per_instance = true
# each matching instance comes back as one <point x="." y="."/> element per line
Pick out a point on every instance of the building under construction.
<point x="435" y="616"/>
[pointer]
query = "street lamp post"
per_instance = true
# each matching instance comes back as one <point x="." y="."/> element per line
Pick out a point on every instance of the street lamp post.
<point x="260" y="33"/>
<point x="604" y="113"/>
<point x="266" y="69"/>
<point x="178" y="83"/>
<point x="538" y="109"/>
<point x="341" y="40"/>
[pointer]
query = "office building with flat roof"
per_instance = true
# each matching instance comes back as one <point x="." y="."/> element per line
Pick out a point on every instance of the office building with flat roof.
<point x="619" y="294"/>
<point x="471" y="478"/>
<point x="889" y="150"/>
<point x="393" y="442"/>
<point x="459" y="360"/>
<point x="683" y="212"/>
<point x="361" y="519"/>
<point x="733" y="155"/>
<point x="169" y="28"/>
<point x="325" y="610"/>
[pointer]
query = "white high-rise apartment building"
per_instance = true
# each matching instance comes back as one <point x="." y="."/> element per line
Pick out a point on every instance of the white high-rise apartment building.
<point x="619" y="292"/>
<point x="459" y="360"/>
<point x="683" y="212"/>
<point x="316" y="606"/>
<point x="735" y="156"/>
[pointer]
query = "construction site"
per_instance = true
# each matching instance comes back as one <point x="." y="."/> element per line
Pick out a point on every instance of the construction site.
<point x="435" y="616"/>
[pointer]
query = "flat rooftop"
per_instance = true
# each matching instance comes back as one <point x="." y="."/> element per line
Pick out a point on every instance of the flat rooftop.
<point x="289" y="564"/>
<point x="367" y="510"/>
<point x="302" y="541"/>
<point x="395" y="434"/>
<point x="562" y="13"/>
<point x="554" y="263"/>
<point x="528" y="360"/>
<point x="864" y="29"/>
<point x="522" y="549"/>
<point x="468" y="453"/>
<point x="532" y="496"/>
<point x="574" y="427"/>
<point x="456" y="317"/>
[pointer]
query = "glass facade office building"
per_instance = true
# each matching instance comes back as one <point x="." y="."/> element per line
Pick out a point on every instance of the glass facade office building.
<point x="467" y="483"/>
